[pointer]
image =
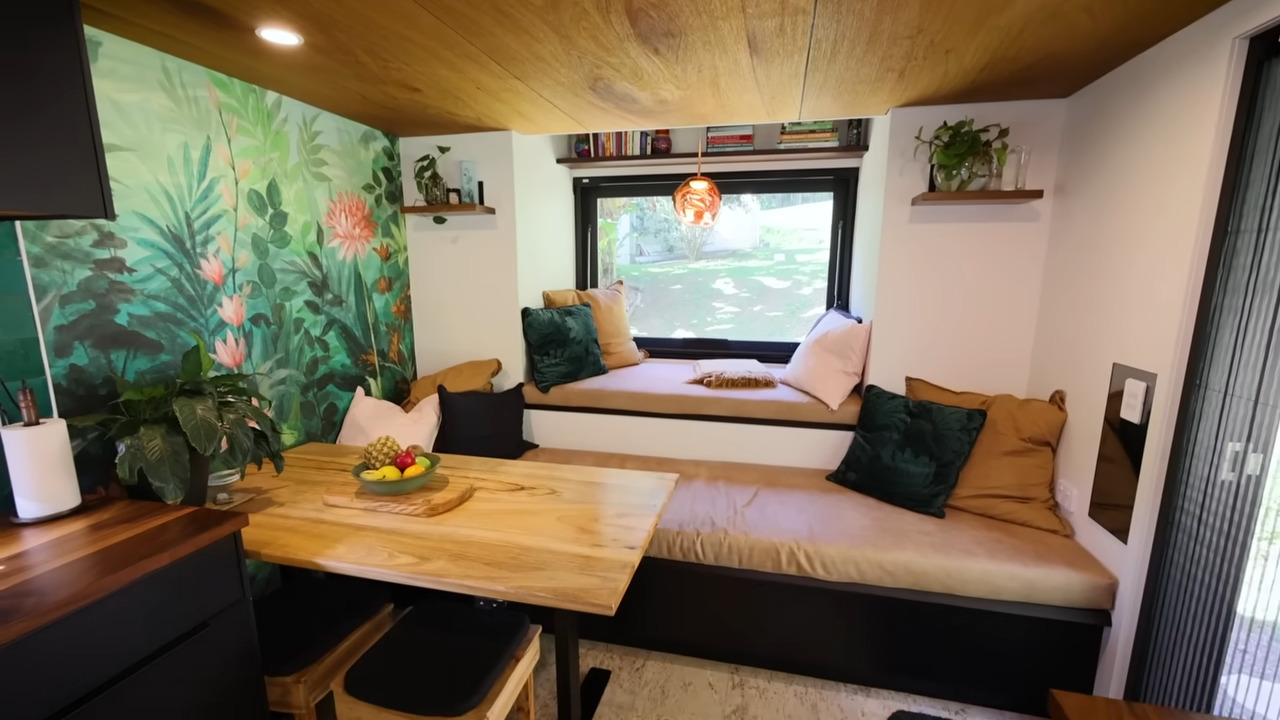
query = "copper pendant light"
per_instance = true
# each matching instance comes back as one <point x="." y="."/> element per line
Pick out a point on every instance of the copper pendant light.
<point x="697" y="200"/>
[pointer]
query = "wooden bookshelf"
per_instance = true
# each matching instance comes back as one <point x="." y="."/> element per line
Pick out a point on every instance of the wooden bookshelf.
<point x="845" y="152"/>
<point x="978" y="197"/>
<point x="463" y="209"/>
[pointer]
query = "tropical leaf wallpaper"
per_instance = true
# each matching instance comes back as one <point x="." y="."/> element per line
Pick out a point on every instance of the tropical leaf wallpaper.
<point x="267" y="228"/>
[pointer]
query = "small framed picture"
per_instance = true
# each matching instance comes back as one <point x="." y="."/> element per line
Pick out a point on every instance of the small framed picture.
<point x="455" y="196"/>
<point x="469" y="190"/>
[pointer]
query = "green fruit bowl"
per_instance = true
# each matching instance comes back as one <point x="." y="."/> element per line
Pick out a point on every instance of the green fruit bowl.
<point x="396" y="487"/>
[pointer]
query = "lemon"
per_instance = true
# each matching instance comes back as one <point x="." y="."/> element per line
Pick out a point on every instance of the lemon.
<point x="414" y="471"/>
<point x="371" y="475"/>
<point x="390" y="472"/>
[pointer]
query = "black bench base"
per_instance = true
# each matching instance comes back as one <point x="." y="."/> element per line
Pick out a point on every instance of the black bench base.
<point x="995" y="654"/>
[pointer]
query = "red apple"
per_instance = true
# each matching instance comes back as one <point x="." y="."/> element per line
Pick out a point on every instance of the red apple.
<point x="405" y="459"/>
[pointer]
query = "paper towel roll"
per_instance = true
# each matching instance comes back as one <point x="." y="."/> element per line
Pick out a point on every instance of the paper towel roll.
<point x="41" y="468"/>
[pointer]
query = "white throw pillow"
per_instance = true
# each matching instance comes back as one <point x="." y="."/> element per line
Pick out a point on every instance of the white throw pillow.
<point x="828" y="364"/>
<point x="370" y="418"/>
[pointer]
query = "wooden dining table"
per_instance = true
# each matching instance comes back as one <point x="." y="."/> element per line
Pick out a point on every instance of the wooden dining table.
<point x="563" y="537"/>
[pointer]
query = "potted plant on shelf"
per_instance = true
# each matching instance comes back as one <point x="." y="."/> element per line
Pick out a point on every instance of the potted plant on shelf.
<point x="431" y="184"/>
<point x="169" y="430"/>
<point x="964" y="156"/>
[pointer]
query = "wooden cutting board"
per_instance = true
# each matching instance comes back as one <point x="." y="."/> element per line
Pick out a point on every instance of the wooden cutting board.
<point x="439" y="495"/>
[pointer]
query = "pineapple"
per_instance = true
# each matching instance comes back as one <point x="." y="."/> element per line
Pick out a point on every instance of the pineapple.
<point x="381" y="452"/>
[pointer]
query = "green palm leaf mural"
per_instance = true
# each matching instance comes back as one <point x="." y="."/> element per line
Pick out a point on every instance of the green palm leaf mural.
<point x="244" y="220"/>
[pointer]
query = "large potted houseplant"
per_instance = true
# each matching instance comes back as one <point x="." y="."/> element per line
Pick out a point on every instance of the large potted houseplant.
<point x="964" y="156"/>
<point x="166" y="432"/>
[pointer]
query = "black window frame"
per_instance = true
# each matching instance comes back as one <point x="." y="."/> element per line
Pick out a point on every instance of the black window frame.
<point x="841" y="182"/>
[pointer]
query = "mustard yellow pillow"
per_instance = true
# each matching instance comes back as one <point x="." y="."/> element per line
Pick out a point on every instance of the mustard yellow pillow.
<point x="476" y="375"/>
<point x="609" y="310"/>
<point x="1009" y="474"/>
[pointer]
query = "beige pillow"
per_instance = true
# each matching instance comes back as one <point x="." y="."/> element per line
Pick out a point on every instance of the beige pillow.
<point x="369" y="418"/>
<point x="609" y="310"/>
<point x="1009" y="474"/>
<point x="476" y="375"/>
<point x="828" y="364"/>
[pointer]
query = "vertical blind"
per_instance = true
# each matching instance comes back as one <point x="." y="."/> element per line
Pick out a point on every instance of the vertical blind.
<point x="1227" y="425"/>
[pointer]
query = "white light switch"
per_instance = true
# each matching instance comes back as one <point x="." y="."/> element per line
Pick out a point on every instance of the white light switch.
<point x="1135" y="396"/>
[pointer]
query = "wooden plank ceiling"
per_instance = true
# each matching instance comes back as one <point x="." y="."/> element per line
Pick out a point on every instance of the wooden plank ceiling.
<point x="423" y="67"/>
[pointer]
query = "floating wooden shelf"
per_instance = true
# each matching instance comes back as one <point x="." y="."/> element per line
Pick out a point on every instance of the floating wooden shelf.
<point x="978" y="197"/>
<point x="463" y="209"/>
<point x="847" y="152"/>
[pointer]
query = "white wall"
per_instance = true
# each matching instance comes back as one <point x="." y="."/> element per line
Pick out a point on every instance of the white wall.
<point x="957" y="287"/>
<point x="544" y="219"/>
<point x="470" y="277"/>
<point x="868" y="220"/>
<point x="1142" y="162"/>
<point x="463" y="274"/>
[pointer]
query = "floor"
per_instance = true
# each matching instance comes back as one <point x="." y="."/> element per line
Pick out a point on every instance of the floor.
<point x="656" y="686"/>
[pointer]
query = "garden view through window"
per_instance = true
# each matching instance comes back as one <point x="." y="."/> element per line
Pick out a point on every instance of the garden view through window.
<point x="760" y="274"/>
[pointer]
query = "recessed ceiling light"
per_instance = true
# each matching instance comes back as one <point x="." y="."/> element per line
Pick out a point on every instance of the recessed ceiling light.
<point x="279" y="36"/>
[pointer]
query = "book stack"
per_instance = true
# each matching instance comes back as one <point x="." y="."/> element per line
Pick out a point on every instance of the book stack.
<point x="799" y="135"/>
<point x="619" y="144"/>
<point x="730" y="138"/>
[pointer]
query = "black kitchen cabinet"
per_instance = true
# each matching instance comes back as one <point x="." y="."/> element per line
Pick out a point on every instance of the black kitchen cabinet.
<point x="52" y="163"/>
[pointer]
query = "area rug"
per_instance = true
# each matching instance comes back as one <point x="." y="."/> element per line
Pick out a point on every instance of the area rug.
<point x="908" y="715"/>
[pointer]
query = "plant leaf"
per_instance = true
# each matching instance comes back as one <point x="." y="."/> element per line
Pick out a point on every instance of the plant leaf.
<point x="280" y="238"/>
<point x="273" y="194"/>
<point x="267" y="276"/>
<point x="260" y="249"/>
<point x="258" y="203"/>
<point x="201" y="422"/>
<point x="193" y="363"/>
<point x="166" y="459"/>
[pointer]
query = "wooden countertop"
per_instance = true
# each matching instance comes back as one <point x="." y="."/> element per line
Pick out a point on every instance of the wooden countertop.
<point x="48" y="571"/>
<point x="1065" y="705"/>
<point x="559" y="536"/>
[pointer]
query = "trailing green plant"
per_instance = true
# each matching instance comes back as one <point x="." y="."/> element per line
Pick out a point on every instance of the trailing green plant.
<point x="157" y="427"/>
<point x="422" y="169"/>
<point x="953" y="144"/>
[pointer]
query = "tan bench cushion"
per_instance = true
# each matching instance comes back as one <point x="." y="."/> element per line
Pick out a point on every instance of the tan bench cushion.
<point x="659" y="386"/>
<point x="793" y="522"/>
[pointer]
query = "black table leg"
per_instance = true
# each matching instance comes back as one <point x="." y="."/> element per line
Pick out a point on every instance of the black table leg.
<point x="577" y="698"/>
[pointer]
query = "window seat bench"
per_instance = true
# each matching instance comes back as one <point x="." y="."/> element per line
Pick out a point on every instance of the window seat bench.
<point x="658" y="388"/>
<point x="776" y="567"/>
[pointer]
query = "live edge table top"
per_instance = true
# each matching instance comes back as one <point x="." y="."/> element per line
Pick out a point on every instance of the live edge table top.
<point x="558" y="536"/>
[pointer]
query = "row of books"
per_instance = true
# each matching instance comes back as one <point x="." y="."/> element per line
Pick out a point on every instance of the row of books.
<point x="815" y="134"/>
<point x="619" y="144"/>
<point x="730" y="138"/>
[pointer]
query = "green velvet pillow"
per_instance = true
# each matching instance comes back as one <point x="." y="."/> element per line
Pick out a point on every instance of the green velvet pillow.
<point x="908" y="452"/>
<point x="563" y="345"/>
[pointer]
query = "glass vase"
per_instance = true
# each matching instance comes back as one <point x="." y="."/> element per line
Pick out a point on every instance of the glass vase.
<point x="972" y="174"/>
<point x="435" y="191"/>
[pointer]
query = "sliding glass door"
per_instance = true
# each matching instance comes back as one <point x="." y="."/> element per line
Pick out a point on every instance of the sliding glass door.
<point x="1207" y="636"/>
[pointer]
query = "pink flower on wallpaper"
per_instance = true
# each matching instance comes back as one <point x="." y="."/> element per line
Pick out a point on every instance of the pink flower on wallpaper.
<point x="352" y="223"/>
<point x="230" y="353"/>
<point x="212" y="269"/>
<point x="232" y="310"/>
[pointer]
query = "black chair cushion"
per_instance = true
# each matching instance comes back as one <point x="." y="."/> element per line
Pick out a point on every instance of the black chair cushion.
<point x="440" y="659"/>
<point x="302" y="622"/>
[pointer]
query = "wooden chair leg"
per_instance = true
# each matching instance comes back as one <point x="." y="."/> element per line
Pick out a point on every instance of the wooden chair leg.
<point x="310" y="714"/>
<point x="524" y="709"/>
